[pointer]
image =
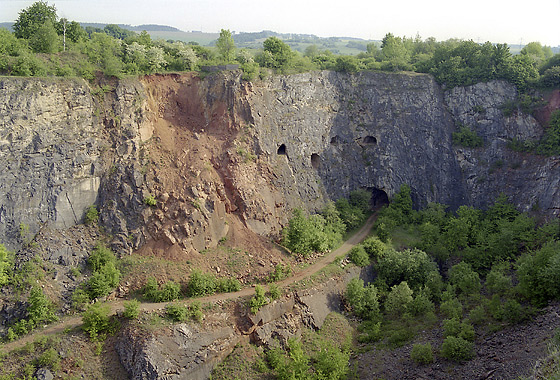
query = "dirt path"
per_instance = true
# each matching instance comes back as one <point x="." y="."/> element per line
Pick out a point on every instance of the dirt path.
<point x="73" y="321"/>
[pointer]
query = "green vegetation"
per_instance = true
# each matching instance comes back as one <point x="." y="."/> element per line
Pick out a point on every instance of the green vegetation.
<point x="467" y="138"/>
<point x="97" y="322"/>
<point x="322" y="232"/>
<point x="92" y="215"/>
<point x="6" y="265"/>
<point x="131" y="309"/>
<point x="258" y="300"/>
<point x="501" y="265"/>
<point x="37" y="48"/>
<point x="150" y="201"/>
<point x="422" y="353"/>
<point x="181" y="313"/>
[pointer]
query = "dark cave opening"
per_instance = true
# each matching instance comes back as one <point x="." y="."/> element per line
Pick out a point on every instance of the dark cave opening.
<point x="378" y="197"/>
<point x="370" y="140"/>
<point x="281" y="150"/>
<point x="315" y="161"/>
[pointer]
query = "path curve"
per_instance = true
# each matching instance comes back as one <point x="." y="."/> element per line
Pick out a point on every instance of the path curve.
<point x="116" y="306"/>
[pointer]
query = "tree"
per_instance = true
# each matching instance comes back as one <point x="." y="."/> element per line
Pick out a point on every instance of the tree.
<point x="32" y="18"/>
<point x="45" y="39"/>
<point x="277" y="54"/>
<point x="226" y="45"/>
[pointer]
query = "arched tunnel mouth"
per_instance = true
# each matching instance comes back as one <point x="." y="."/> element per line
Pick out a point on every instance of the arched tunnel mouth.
<point x="378" y="197"/>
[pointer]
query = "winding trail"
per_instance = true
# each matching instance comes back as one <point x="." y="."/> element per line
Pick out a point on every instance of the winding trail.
<point x="73" y="321"/>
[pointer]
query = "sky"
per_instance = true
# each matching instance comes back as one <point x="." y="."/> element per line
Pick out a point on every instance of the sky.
<point x="497" y="21"/>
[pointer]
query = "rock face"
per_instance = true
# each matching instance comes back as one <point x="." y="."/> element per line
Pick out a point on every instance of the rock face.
<point x="327" y="133"/>
<point x="208" y="149"/>
<point x="49" y="151"/>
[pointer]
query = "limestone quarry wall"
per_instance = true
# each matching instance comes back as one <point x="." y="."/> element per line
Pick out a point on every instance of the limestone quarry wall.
<point x="206" y="148"/>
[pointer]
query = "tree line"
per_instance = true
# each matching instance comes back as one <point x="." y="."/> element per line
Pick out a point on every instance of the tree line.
<point x="44" y="45"/>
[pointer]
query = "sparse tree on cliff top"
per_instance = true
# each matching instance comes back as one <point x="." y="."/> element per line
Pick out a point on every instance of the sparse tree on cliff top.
<point x="226" y="45"/>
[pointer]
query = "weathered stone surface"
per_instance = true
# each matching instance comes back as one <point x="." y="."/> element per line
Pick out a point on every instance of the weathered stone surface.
<point x="187" y="352"/>
<point x="49" y="150"/>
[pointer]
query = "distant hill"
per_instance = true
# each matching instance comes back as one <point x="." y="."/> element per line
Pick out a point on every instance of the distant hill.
<point x="6" y="25"/>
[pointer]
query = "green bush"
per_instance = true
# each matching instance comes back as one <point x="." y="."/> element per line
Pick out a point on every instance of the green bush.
<point x="458" y="349"/>
<point x="150" y="201"/>
<point x="496" y="281"/>
<point x="513" y="311"/>
<point x="363" y="300"/>
<point x="358" y="256"/>
<point x="6" y="264"/>
<point x="422" y="353"/>
<point x="467" y="138"/>
<point x="411" y="265"/>
<point x="176" y="312"/>
<point x="477" y="316"/>
<point x="131" y="309"/>
<point x="100" y="257"/>
<point x="258" y="300"/>
<point x="451" y="308"/>
<point x="169" y="292"/>
<point x="374" y="247"/>
<point x="95" y="321"/>
<point x="464" y="278"/>
<point x="48" y="359"/>
<point x="398" y="299"/>
<point x="274" y="291"/>
<point x="539" y="272"/>
<point x="421" y="303"/>
<point x="280" y="272"/>
<point x="228" y="285"/>
<point x="201" y="284"/>
<point x="92" y="215"/>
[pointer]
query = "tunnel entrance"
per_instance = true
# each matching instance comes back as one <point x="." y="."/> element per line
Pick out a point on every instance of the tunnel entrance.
<point x="378" y="197"/>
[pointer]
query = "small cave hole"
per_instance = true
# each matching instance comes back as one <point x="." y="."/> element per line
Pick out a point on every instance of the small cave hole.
<point x="281" y="150"/>
<point x="370" y="140"/>
<point x="315" y="161"/>
<point x="335" y="140"/>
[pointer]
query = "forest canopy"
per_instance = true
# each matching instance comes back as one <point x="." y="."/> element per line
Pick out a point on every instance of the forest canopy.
<point x="42" y="44"/>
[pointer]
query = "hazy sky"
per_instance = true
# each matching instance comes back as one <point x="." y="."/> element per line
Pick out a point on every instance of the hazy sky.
<point x="509" y="21"/>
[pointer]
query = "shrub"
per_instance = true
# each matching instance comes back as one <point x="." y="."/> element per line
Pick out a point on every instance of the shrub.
<point x="6" y="264"/>
<point x="258" y="300"/>
<point x="421" y="303"/>
<point x="92" y="215"/>
<point x="374" y="247"/>
<point x="150" y="201"/>
<point x="458" y="349"/>
<point x="100" y="257"/>
<point x="453" y="327"/>
<point x="176" y="312"/>
<point x="370" y="331"/>
<point x="40" y="309"/>
<point x="49" y="358"/>
<point x="467" y="138"/>
<point x="274" y="291"/>
<point x="422" y="353"/>
<point x="170" y="292"/>
<point x="228" y="285"/>
<point x="358" y="256"/>
<point x="496" y="281"/>
<point x="464" y="278"/>
<point x="538" y="274"/>
<point x="398" y="299"/>
<point x="513" y="312"/>
<point x="451" y="308"/>
<point x="280" y="272"/>
<point x="363" y="300"/>
<point x="477" y="316"/>
<point x="131" y="309"/>
<point x="151" y="289"/>
<point x="411" y="265"/>
<point x="95" y="321"/>
<point x="201" y="284"/>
